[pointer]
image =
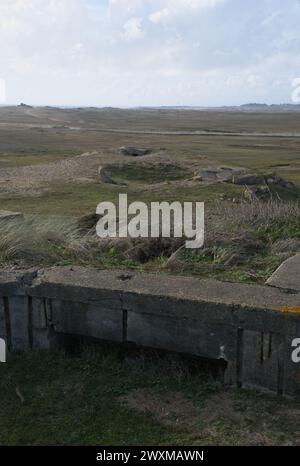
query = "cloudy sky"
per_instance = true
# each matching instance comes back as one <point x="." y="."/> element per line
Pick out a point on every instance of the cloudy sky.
<point x="149" y="52"/>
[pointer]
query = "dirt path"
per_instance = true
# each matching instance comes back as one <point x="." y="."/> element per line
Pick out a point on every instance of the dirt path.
<point x="64" y="125"/>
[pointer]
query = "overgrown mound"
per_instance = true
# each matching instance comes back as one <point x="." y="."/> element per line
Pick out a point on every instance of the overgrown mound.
<point x="243" y="242"/>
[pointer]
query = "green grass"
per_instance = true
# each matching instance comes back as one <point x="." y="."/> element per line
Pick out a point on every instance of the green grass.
<point x="76" y="199"/>
<point x="243" y="243"/>
<point x="149" y="175"/>
<point x="75" y="401"/>
<point x="79" y="401"/>
<point x="34" y="157"/>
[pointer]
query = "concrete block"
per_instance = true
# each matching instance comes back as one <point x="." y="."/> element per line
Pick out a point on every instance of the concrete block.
<point x="291" y="382"/>
<point x="39" y="313"/>
<point x="41" y="339"/>
<point x="202" y="338"/>
<point x="2" y="320"/>
<point x="19" y="323"/>
<point x="77" y="284"/>
<point x="287" y="275"/>
<point x="10" y="284"/>
<point x="90" y="320"/>
<point x="266" y="320"/>
<point x="167" y="306"/>
<point x="263" y="361"/>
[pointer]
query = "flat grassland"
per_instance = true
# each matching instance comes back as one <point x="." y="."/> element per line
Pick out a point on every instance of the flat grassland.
<point x="49" y="160"/>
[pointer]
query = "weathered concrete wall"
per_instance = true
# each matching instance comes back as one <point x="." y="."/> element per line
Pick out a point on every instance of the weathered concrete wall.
<point x="251" y="327"/>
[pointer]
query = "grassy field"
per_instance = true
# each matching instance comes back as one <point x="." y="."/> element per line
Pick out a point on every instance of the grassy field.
<point x="105" y="397"/>
<point x="43" y="174"/>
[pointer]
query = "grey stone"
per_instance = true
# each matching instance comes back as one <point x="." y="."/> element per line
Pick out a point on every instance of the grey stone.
<point x="267" y="179"/>
<point x="287" y="275"/>
<point x="8" y="215"/>
<point x="217" y="173"/>
<point x="134" y="151"/>
<point x="249" y="180"/>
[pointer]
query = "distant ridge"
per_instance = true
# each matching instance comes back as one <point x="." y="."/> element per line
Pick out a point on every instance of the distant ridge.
<point x="249" y="107"/>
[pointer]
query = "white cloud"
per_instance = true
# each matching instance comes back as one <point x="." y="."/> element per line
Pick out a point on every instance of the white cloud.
<point x="133" y="29"/>
<point x="175" y="8"/>
<point x="159" y="16"/>
<point x="154" y="52"/>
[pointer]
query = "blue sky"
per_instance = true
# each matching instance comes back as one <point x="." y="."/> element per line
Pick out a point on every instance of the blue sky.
<point x="149" y="52"/>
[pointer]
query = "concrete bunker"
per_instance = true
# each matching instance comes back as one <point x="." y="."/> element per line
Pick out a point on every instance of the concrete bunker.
<point x="246" y="329"/>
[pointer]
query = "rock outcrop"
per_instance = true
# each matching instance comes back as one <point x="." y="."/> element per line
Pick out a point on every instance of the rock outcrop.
<point x="269" y="179"/>
<point x="104" y="176"/>
<point x="134" y="151"/>
<point x="8" y="215"/>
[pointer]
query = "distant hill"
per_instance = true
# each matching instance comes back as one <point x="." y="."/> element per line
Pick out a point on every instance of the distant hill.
<point x="25" y="105"/>
<point x="269" y="108"/>
<point x="250" y="107"/>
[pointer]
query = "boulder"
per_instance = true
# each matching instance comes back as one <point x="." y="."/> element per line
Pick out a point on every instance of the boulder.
<point x="221" y="173"/>
<point x="134" y="151"/>
<point x="269" y="179"/>
<point x="249" y="180"/>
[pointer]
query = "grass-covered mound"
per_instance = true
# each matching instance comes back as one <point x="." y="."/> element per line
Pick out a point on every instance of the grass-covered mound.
<point x="243" y="242"/>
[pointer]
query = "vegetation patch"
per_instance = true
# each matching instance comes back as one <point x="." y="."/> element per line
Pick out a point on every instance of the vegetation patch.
<point x="244" y="242"/>
<point x="102" y="396"/>
<point x="156" y="173"/>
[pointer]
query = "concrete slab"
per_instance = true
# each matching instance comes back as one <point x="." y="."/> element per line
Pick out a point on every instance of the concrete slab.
<point x="10" y="283"/>
<point x="86" y="284"/>
<point x="89" y="320"/>
<point x="287" y="275"/>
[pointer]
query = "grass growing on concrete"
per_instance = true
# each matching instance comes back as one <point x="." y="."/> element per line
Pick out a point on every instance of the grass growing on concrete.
<point x="103" y="397"/>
